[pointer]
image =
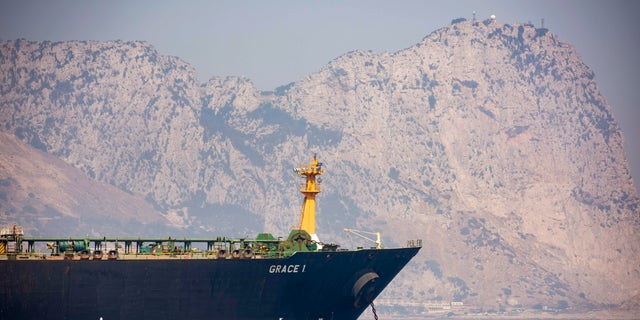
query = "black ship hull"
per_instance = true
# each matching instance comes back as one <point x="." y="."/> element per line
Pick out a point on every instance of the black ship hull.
<point x="307" y="285"/>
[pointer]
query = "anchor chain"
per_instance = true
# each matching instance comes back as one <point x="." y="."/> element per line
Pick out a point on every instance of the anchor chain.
<point x="373" y="309"/>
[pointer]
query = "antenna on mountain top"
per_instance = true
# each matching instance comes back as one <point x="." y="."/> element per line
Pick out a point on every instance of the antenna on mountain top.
<point x="474" y="15"/>
<point x="542" y="24"/>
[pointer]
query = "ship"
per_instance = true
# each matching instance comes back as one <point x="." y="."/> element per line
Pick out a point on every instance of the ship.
<point x="264" y="277"/>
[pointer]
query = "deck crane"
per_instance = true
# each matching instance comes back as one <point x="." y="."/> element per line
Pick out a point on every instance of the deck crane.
<point x="361" y="234"/>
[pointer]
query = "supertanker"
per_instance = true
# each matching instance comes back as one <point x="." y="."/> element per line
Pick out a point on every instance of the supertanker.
<point x="193" y="278"/>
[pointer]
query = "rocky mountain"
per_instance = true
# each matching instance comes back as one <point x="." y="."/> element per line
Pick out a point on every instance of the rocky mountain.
<point x="489" y="141"/>
<point x="52" y="198"/>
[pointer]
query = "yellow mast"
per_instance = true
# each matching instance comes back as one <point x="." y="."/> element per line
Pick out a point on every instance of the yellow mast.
<point x="309" y="189"/>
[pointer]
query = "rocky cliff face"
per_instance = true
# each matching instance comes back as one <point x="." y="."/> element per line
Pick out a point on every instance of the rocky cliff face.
<point x="53" y="199"/>
<point x="489" y="141"/>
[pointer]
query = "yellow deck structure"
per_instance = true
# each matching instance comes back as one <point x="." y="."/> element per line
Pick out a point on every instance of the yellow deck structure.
<point x="310" y="188"/>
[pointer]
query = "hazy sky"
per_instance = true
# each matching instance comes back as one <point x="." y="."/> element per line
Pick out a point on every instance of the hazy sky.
<point x="277" y="42"/>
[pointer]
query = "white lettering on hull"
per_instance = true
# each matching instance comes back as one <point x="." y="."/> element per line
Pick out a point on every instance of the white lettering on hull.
<point x="287" y="268"/>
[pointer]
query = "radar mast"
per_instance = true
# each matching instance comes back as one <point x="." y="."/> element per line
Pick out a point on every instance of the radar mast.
<point x="310" y="188"/>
